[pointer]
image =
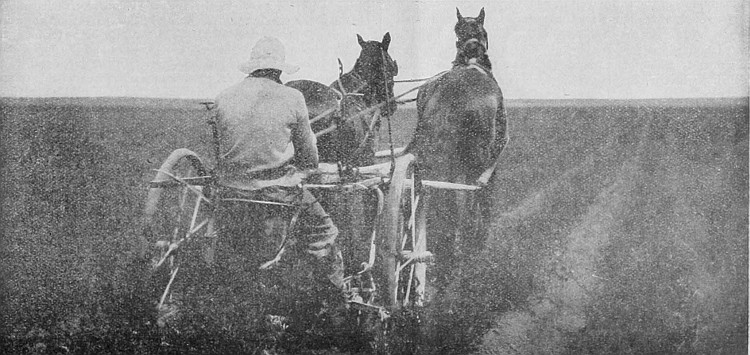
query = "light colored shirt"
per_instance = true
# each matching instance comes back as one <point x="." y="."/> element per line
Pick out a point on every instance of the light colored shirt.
<point x="265" y="135"/>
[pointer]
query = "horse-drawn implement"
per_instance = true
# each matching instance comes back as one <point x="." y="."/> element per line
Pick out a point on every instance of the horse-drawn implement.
<point x="185" y="198"/>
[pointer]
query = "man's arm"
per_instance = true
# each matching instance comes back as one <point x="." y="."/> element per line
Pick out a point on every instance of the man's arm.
<point x="303" y="138"/>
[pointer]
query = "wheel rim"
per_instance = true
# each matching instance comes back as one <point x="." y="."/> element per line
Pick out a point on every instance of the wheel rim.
<point x="404" y="250"/>
<point x="175" y="213"/>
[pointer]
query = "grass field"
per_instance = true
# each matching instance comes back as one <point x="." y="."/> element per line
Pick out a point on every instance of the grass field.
<point x="620" y="227"/>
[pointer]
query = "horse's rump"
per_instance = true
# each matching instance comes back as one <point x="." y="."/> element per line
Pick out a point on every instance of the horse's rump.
<point x="319" y="98"/>
<point x="459" y="114"/>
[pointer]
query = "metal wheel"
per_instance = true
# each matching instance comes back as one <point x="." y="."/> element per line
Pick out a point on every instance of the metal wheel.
<point x="177" y="210"/>
<point x="404" y="253"/>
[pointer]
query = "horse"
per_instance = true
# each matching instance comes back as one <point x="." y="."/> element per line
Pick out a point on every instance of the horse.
<point x="461" y="131"/>
<point x="337" y="107"/>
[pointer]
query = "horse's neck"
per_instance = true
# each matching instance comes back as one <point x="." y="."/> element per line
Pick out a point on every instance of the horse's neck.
<point x="349" y="82"/>
<point x="347" y="87"/>
<point x="350" y="86"/>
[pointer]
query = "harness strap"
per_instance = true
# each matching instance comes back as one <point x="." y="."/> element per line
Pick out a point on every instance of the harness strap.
<point x="342" y="93"/>
<point x="472" y="65"/>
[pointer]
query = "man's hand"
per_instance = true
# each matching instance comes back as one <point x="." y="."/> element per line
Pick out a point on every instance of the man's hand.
<point x="327" y="168"/>
<point x="322" y="174"/>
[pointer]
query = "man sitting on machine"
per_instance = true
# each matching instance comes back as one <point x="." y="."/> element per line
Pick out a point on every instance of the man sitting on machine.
<point x="266" y="145"/>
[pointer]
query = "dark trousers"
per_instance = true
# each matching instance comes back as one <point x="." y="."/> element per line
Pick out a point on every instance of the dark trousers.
<point x="314" y="229"/>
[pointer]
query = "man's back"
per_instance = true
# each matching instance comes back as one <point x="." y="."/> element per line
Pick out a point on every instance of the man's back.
<point x="263" y="126"/>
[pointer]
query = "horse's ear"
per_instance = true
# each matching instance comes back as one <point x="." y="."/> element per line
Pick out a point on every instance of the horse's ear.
<point x="386" y="41"/>
<point x="360" y="40"/>
<point x="458" y="14"/>
<point x="480" y="18"/>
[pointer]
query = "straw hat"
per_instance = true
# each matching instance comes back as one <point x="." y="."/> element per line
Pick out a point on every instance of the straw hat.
<point x="268" y="53"/>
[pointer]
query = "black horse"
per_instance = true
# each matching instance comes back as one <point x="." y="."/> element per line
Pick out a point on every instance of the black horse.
<point x="461" y="126"/>
<point x="461" y="131"/>
<point x="343" y="135"/>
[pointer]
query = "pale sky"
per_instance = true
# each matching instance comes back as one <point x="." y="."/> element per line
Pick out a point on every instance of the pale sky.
<point x="540" y="49"/>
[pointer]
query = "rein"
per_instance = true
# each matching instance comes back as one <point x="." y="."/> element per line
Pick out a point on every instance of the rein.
<point x="388" y="116"/>
<point x="373" y="108"/>
<point x="356" y="92"/>
<point x="342" y="95"/>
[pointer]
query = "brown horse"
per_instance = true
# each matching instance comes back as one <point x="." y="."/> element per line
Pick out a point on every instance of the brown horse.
<point x="369" y="83"/>
<point x="461" y="131"/>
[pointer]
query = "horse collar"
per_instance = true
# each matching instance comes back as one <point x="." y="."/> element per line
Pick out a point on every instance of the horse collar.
<point x="474" y="65"/>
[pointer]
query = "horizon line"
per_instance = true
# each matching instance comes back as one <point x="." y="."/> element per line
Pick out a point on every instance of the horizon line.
<point x="505" y="98"/>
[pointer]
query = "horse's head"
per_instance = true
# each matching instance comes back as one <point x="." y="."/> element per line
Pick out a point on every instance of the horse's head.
<point x="470" y="28"/>
<point x="472" y="52"/>
<point x="472" y="41"/>
<point x="376" y="67"/>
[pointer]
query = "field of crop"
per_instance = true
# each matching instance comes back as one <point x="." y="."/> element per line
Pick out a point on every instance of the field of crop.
<point x="620" y="227"/>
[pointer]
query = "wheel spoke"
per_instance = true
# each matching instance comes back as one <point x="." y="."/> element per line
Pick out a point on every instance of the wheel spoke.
<point x="169" y="220"/>
<point x="169" y="285"/>
<point x="408" y="285"/>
